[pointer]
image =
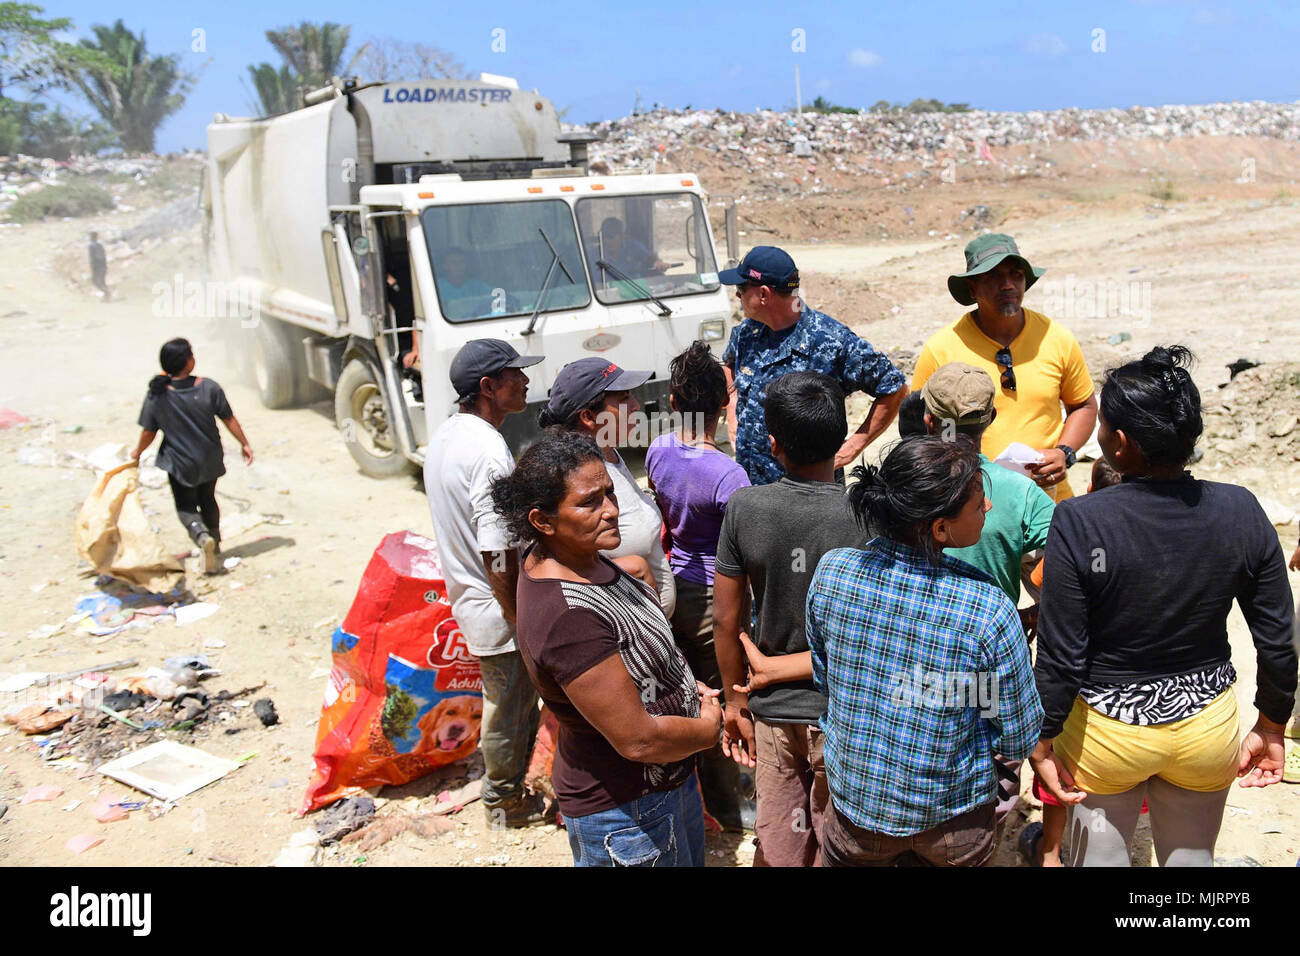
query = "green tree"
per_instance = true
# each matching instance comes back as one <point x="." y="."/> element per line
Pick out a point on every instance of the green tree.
<point x="27" y="45"/>
<point x="133" y="91"/>
<point x="314" y="51"/>
<point x="276" y="90"/>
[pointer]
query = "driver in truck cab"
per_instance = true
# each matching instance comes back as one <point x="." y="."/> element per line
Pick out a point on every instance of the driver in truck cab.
<point x="462" y="296"/>
<point x="625" y="253"/>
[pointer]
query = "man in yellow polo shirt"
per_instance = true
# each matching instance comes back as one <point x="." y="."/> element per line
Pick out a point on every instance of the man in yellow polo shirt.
<point x="1036" y="362"/>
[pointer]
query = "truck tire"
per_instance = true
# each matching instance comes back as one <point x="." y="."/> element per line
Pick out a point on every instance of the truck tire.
<point x="275" y="364"/>
<point x="363" y="418"/>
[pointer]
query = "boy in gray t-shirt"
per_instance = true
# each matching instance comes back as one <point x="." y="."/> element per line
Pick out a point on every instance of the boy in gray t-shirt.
<point x="772" y="538"/>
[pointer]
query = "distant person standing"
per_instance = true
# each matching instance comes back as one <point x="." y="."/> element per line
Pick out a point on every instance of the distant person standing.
<point x="781" y="334"/>
<point x="481" y="562"/>
<point x="98" y="265"/>
<point x="185" y="407"/>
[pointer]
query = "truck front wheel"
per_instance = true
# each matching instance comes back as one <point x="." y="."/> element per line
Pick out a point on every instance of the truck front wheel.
<point x="368" y="429"/>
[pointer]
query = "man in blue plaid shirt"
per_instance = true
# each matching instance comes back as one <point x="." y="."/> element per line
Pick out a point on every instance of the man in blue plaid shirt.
<point x="925" y="666"/>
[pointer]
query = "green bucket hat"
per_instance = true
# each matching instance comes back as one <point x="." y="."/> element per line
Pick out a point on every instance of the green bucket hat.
<point x="983" y="255"/>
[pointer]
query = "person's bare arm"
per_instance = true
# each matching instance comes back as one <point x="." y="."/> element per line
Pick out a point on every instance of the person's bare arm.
<point x="237" y="430"/>
<point x="883" y="411"/>
<point x="639" y="568"/>
<point x="732" y="423"/>
<point x="728" y="606"/>
<point x="1079" y="422"/>
<point x="764" y="671"/>
<point x="146" y="439"/>
<point x="611" y="702"/>
<point x="502" y="569"/>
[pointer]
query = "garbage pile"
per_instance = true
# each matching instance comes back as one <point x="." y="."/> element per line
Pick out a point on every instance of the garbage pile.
<point x="868" y="143"/>
<point x="21" y="175"/>
<point x="1255" y="418"/>
<point x="97" y="716"/>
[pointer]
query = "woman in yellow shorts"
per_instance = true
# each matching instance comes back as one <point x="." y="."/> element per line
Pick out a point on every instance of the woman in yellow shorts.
<point x="1134" y="668"/>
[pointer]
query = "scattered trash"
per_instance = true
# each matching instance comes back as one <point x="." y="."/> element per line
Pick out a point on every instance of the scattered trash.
<point x="83" y="842"/>
<point x="396" y="821"/>
<point x="123" y="700"/>
<point x="19" y="682"/>
<point x="278" y="783"/>
<point x="213" y="643"/>
<point x="1118" y="338"/>
<point x="69" y="430"/>
<point x="108" y="810"/>
<point x="4" y="808"/>
<point x="189" y="613"/>
<point x="68" y="808"/>
<point x="9" y="418"/>
<point x="44" y="631"/>
<point x="115" y="537"/>
<point x="343" y="817"/>
<point x="1241" y="365"/>
<point x="168" y="770"/>
<point x="230" y="563"/>
<point x="301" y="850"/>
<point x="453" y="801"/>
<point x="265" y="710"/>
<point x="188" y="671"/>
<point x="38" y="794"/>
<point x="40" y="718"/>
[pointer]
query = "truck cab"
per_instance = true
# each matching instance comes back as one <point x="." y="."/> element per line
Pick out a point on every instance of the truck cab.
<point x="451" y="211"/>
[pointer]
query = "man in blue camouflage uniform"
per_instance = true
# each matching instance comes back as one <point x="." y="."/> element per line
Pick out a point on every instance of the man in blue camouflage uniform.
<point x="782" y="334"/>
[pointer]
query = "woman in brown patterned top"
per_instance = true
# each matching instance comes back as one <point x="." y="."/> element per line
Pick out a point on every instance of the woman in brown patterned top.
<point x="601" y="654"/>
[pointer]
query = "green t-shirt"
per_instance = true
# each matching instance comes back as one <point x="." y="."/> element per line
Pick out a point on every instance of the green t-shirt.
<point x="1015" y="525"/>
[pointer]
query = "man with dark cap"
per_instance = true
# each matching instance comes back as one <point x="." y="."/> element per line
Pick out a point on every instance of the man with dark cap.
<point x="481" y="564"/>
<point x="783" y="334"/>
<point x="1037" y="362"/>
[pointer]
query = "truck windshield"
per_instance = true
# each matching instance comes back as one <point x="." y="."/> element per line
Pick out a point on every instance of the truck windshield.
<point x="661" y="241"/>
<point x="490" y="261"/>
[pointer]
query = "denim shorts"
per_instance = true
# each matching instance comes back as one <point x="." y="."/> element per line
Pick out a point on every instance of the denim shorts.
<point x="659" y="829"/>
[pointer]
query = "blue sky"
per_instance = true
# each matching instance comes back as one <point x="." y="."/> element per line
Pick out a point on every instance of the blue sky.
<point x="739" y="55"/>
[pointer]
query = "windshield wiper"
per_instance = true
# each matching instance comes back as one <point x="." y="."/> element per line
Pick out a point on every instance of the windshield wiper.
<point x="546" y="285"/>
<point x="620" y="274"/>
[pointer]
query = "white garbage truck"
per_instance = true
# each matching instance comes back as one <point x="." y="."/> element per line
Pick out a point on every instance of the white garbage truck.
<point x="380" y="227"/>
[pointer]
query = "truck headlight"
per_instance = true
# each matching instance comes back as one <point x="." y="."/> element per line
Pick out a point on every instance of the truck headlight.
<point x="712" y="330"/>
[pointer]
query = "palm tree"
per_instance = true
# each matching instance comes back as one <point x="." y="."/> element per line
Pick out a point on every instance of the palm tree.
<point x="134" y="92"/>
<point x="313" y="51"/>
<point x="277" y="90"/>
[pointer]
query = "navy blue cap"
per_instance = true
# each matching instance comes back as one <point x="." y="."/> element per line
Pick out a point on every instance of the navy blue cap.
<point x="482" y="357"/>
<point x="579" y="383"/>
<point x="765" y="265"/>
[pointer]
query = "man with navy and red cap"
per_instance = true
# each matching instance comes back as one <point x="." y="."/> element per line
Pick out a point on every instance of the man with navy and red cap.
<point x="480" y="562"/>
<point x="781" y="334"/>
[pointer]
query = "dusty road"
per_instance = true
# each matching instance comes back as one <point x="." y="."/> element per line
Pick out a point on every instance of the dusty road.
<point x="1217" y="273"/>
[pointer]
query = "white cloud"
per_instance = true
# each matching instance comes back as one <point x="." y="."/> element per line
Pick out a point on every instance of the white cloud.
<point x="865" y="58"/>
<point x="1044" y="44"/>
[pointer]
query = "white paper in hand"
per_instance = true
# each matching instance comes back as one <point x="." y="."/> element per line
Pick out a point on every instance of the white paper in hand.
<point x="1018" y="457"/>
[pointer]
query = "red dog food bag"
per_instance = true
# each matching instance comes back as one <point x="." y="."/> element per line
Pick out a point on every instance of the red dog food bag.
<point x="405" y="695"/>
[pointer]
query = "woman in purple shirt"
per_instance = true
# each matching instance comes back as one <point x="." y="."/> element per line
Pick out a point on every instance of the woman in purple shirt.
<point x="692" y="480"/>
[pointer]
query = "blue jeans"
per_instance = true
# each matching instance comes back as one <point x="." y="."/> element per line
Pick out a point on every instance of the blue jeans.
<point x="510" y="719"/>
<point x="659" y="829"/>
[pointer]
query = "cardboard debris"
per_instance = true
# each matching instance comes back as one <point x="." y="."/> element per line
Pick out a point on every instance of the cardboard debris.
<point x="168" y="770"/>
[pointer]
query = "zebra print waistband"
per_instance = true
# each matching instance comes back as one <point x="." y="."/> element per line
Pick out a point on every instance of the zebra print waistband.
<point x="1161" y="701"/>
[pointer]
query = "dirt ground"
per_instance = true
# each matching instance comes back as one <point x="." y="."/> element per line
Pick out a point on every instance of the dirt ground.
<point x="1196" y="258"/>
